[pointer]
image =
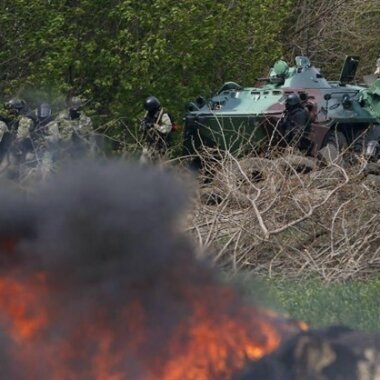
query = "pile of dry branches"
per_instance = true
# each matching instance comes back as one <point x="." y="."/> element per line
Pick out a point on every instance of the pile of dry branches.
<point x="289" y="217"/>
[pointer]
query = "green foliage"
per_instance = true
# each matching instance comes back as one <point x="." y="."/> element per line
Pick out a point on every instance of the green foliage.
<point x="327" y="31"/>
<point x="116" y="52"/>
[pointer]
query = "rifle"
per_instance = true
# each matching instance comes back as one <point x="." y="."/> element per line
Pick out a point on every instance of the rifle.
<point x="145" y="125"/>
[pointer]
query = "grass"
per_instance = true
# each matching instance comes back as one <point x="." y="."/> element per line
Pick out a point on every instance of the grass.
<point x="354" y="304"/>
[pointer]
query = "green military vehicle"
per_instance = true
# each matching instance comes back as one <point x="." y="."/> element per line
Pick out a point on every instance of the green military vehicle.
<point x="369" y="98"/>
<point x="247" y="117"/>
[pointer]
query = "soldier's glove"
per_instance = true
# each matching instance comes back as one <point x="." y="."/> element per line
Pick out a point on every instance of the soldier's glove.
<point x="163" y="129"/>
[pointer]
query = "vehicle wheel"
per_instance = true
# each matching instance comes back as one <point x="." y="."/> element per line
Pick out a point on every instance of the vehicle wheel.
<point x="334" y="149"/>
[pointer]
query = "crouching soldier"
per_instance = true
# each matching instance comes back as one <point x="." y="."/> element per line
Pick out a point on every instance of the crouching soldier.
<point x="156" y="128"/>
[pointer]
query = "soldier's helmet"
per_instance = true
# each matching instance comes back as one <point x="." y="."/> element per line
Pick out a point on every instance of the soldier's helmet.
<point x="43" y="111"/>
<point x="75" y="103"/>
<point x="152" y="104"/>
<point x="293" y="100"/>
<point x="16" y="105"/>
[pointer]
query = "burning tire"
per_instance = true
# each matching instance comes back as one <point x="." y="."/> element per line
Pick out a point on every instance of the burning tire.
<point x="332" y="353"/>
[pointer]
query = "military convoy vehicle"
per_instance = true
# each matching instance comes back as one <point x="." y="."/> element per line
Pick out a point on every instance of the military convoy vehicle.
<point x="248" y="117"/>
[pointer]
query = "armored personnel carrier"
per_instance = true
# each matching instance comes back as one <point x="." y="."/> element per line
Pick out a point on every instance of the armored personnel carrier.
<point x="240" y="116"/>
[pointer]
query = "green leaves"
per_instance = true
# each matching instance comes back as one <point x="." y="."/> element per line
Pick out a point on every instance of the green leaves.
<point x="119" y="51"/>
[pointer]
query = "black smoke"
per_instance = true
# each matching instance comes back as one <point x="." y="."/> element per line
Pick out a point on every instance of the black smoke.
<point x="104" y="235"/>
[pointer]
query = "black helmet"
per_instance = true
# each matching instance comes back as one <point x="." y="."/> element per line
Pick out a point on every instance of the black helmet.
<point x="152" y="104"/>
<point x="292" y="100"/>
<point x="16" y="105"/>
<point x="43" y="111"/>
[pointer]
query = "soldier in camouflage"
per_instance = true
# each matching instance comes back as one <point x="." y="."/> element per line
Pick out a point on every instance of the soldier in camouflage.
<point x="3" y="128"/>
<point x="156" y="128"/>
<point x="20" y="121"/>
<point x="4" y="136"/>
<point x="20" y="124"/>
<point x="71" y="133"/>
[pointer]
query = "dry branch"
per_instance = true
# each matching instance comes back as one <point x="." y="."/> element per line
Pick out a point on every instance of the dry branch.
<point x="273" y="217"/>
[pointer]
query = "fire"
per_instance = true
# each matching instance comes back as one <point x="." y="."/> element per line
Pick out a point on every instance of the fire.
<point x="19" y="306"/>
<point x="98" y="282"/>
<point x="213" y="340"/>
<point x="217" y="340"/>
<point x="216" y="351"/>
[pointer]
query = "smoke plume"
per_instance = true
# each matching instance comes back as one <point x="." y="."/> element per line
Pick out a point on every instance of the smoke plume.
<point x="98" y="282"/>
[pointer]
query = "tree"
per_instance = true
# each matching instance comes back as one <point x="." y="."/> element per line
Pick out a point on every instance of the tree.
<point x="328" y="31"/>
<point x="116" y="52"/>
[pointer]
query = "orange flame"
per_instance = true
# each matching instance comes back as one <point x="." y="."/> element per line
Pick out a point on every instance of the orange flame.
<point x="17" y="301"/>
<point x="213" y="341"/>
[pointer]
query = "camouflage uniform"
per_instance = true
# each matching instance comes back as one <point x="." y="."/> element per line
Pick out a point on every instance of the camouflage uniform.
<point x="70" y="136"/>
<point x="5" y="136"/>
<point x="63" y="128"/>
<point x="156" y="133"/>
<point x="3" y="129"/>
<point x="25" y="126"/>
<point x="22" y="145"/>
<point x="156" y="128"/>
